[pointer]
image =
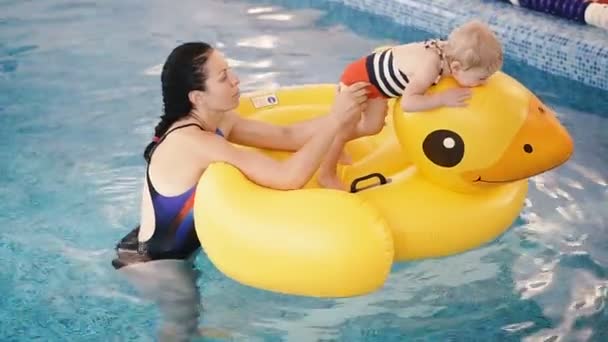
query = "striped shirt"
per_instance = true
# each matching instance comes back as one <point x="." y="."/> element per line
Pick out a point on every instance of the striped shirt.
<point x="384" y="74"/>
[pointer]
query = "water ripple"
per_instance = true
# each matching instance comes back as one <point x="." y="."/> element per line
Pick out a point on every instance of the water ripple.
<point x="80" y="103"/>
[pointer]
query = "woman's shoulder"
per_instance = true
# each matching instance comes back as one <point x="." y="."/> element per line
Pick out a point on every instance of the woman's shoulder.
<point x="229" y="120"/>
<point x="184" y="139"/>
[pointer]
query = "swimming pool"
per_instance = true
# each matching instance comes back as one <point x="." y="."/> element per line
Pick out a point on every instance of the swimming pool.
<point x="79" y="96"/>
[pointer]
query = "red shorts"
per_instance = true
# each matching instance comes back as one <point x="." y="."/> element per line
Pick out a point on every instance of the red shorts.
<point x="380" y="70"/>
<point x="357" y="72"/>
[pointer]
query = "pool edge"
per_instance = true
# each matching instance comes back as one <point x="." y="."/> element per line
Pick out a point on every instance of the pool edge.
<point x="555" y="45"/>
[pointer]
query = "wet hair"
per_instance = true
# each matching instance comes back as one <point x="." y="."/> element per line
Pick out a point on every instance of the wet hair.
<point x="183" y="71"/>
<point x="474" y="45"/>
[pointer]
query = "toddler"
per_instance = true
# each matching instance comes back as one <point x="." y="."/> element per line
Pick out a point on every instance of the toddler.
<point x="471" y="54"/>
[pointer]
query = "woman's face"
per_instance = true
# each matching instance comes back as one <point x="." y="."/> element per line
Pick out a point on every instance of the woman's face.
<point x="222" y="85"/>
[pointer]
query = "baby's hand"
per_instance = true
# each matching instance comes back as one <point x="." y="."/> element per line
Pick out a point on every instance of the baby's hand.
<point x="455" y="97"/>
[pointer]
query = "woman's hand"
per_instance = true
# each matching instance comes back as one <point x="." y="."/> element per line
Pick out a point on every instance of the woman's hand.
<point x="350" y="103"/>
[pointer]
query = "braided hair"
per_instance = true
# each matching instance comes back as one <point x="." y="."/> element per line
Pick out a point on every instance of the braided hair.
<point x="183" y="71"/>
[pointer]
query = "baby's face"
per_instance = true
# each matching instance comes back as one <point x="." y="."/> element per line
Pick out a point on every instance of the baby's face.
<point x="471" y="77"/>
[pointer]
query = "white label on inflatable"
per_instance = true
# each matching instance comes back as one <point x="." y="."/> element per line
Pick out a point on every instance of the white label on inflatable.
<point x="265" y="100"/>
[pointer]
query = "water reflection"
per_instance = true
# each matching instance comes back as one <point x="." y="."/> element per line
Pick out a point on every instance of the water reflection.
<point x="276" y="17"/>
<point x="260" y="64"/>
<point x="414" y="291"/>
<point x="259" y="10"/>
<point x="516" y="327"/>
<point x="588" y="173"/>
<point x="259" y="42"/>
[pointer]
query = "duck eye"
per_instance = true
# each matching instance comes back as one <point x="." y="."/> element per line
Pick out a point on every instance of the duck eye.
<point x="444" y="148"/>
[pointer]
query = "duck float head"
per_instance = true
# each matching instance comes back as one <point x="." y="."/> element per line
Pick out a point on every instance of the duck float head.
<point x="505" y="134"/>
<point x="467" y="180"/>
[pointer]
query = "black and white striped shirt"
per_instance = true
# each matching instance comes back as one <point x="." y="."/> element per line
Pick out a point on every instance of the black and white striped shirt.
<point x="384" y="74"/>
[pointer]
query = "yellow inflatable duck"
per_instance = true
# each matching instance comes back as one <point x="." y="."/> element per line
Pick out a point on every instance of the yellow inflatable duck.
<point x="468" y="178"/>
<point x="448" y="180"/>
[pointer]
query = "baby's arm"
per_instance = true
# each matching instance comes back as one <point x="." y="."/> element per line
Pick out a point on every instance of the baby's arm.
<point x="415" y="98"/>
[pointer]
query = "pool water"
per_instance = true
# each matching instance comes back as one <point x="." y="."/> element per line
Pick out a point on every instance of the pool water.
<point x="79" y="97"/>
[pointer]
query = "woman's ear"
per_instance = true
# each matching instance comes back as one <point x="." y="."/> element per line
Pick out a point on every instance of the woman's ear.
<point x="195" y="97"/>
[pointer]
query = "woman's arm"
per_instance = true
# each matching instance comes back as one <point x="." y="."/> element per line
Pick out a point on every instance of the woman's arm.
<point x="292" y="173"/>
<point x="298" y="169"/>
<point x="257" y="133"/>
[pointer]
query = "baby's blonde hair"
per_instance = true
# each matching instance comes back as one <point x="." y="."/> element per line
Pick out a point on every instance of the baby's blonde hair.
<point x="474" y="45"/>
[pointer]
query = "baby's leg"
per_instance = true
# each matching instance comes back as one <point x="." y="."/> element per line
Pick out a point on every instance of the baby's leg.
<point x="374" y="118"/>
<point x="371" y="122"/>
<point x="327" y="176"/>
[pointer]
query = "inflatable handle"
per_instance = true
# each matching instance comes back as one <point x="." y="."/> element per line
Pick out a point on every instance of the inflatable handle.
<point x="353" y="185"/>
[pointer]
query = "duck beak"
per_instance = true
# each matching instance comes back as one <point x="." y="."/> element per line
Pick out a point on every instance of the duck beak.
<point x="541" y="144"/>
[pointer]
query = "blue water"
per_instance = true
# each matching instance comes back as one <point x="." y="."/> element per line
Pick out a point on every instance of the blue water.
<point x="79" y="96"/>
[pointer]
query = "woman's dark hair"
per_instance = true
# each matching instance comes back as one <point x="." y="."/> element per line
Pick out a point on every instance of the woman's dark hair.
<point x="183" y="71"/>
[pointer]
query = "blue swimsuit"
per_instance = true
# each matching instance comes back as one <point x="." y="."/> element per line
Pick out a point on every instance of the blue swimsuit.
<point x="174" y="235"/>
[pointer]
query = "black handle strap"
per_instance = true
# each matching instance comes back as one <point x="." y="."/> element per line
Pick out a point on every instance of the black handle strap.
<point x="353" y="185"/>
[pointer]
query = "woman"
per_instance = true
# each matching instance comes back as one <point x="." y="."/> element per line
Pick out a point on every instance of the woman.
<point x="200" y="93"/>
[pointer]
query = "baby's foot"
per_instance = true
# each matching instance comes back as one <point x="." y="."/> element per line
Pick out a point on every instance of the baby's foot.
<point x="345" y="158"/>
<point x="330" y="181"/>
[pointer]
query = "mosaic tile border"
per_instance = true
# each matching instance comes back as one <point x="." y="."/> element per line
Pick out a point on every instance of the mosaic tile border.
<point x="555" y="45"/>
